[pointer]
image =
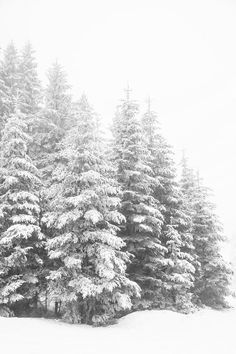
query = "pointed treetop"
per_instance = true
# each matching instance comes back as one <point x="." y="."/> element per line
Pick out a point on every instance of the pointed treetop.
<point x="184" y="155"/>
<point x="198" y="178"/>
<point x="84" y="98"/>
<point x="27" y="47"/>
<point x="128" y="91"/>
<point x="84" y="103"/>
<point x="149" y="104"/>
<point x="11" y="46"/>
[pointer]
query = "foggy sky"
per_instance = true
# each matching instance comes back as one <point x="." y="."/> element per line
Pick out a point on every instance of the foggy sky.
<point x="181" y="53"/>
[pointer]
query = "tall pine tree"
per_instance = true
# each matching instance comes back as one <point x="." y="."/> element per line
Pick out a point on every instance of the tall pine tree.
<point x="9" y="83"/>
<point x="30" y="89"/>
<point x="176" y="271"/>
<point x="48" y="125"/>
<point x="20" y="237"/>
<point x="90" y="278"/>
<point x="4" y="103"/>
<point x="141" y="209"/>
<point x="10" y="75"/>
<point x="53" y="120"/>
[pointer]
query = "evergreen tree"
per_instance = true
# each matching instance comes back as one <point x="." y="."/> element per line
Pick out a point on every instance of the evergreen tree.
<point x="140" y="208"/>
<point x="53" y="122"/>
<point x="9" y="80"/>
<point x="4" y="103"/>
<point x="213" y="274"/>
<point x="20" y="235"/>
<point x="10" y="76"/>
<point x="177" y="269"/>
<point x="30" y="90"/>
<point x="90" y="278"/>
<point x="48" y="125"/>
<point x="30" y="97"/>
<point x="57" y="98"/>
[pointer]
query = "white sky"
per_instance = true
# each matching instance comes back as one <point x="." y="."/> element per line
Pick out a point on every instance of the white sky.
<point x="181" y="53"/>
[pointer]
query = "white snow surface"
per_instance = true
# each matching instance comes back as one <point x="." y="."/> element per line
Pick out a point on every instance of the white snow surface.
<point x="147" y="332"/>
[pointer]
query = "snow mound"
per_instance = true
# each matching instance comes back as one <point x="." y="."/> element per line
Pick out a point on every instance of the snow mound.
<point x="149" y="332"/>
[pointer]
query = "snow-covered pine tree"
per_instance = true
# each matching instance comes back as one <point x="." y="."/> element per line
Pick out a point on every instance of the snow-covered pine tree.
<point x="176" y="269"/>
<point x="142" y="211"/>
<point x="53" y="121"/>
<point x="10" y="75"/>
<point x="9" y="80"/>
<point x="90" y="279"/>
<point x="57" y="97"/>
<point x="213" y="274"/>
<point x="4" y="103"/>
<point x="29" y="84"/>
<point x="49" y="123"/>
<point x="212" y="284"/>
<point x="20" y="235"/>
<point x="30" y="96"/>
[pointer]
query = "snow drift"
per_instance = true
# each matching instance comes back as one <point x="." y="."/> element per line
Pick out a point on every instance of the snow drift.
<point x="149" y="332"/>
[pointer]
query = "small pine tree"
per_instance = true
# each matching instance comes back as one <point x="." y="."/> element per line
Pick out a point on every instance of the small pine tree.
<point x="90" y="277"/>
<point x="20" y="237"/>
<point x="213" y="274"/>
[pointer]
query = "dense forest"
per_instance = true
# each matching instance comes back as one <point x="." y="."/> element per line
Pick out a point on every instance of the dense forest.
<point x="93" y="228"/>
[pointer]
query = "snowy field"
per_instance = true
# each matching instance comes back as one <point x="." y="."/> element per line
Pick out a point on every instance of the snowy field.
<point x="162" y="332"/>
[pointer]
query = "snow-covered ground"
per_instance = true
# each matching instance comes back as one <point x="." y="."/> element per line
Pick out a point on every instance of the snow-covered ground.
<point x="148" y="332"/>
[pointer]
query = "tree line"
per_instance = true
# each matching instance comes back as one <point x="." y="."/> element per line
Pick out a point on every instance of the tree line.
<point x="91" y="228"/>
